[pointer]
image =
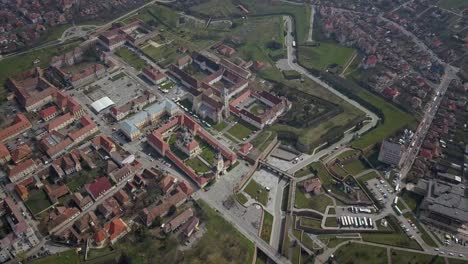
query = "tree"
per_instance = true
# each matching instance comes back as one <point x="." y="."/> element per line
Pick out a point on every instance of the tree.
<point x="124" y="259"/>
<point x="172" y="210"/>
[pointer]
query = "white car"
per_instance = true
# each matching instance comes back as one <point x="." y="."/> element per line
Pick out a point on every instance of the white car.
<point x="436" y="249"/>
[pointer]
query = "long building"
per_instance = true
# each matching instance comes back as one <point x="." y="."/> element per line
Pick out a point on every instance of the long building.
<point x="131" y="126"/>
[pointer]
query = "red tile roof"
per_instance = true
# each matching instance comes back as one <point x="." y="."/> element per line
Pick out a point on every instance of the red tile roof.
<point x="3" y="151"/>
<point x="21" y="152"/>
<point x="100" y="236"/>
<point x="58" y="121"/>
<point x="153" y="74"/>
<point x="20" y="123"/>
<point x="21" y="167"/>
<point x="115" y="228"/>
<point x="49" y="111"/>
<point x="98" y="187"/>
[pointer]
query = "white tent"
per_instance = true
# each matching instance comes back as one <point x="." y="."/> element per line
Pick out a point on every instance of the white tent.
<point x="102" y="104"/>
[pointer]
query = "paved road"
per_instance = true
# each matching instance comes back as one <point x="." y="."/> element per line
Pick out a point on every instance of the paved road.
<point x="412" y="152"/>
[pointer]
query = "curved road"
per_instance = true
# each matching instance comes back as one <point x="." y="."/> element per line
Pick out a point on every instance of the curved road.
<point x="292" y="65"/>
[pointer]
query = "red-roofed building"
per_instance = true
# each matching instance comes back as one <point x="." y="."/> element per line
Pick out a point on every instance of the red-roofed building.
<point x="151" y="213"/>
<point x="98" y="187"/>
<point x="116" y="229"/>
<point x="103" y="142"/>
<point x="226" y="50"/>
<point x="22" y="192"/>
<point x="19" y="125"/>
<point x="88" y="127"/>
<point x="100" y="238"/>
<point x="49" y="113"/>
<point x="186" y="188"/>
<point x="20" y="153"/>
<point x="167" y="184"/>
<point x="154" y="75"/>
<point x="370" y="62"/>
<point x="246" y="148"/>
<point x="5" y="155"/>
<point x="426" y="153"/>
<point x="21" y="170"/>
<point x="390" y="93"/>
<point x="60" y="122"/>
<point x="312" y="186"/>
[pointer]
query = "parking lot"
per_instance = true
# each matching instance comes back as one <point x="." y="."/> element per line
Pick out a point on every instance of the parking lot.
<point x="382" y="191"/>
<point x="355" y="212"/>
<point x="119" y="87"/>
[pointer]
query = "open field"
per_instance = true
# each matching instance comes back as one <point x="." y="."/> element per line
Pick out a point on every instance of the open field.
<point x="355" y="167"/>
<point x="454" y="5"/>
<point x="164" y="54"/>
<point x="38" y="201"/>
<point x="311" y="222"/>
<point x="357" y="253"/>
<point x="266" y="226"/>
<point x="398" y="239"/>
<point x="411" y="199"/>
<point x="131" y="58"/>
<point x="323" y="55"/>
<point x="399" y="256"/>
<point x="257" y="192"/>
<point x="216" y="8"/>
<point x="300" y="14"/>
<point x="69" y="256"/>
<point x="241" y="130"/>
<point x="197" y="165"/>
<point x="241" y="198"/>
<point x="395" y="119"/>
<point x="332" y="240"/>
<point x="316" y="202"/>
<point x="328" y="128"/>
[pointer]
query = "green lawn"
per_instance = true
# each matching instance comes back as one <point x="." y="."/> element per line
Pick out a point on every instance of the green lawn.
<point x="241" y="198"/>
<point x="197" y="165"/>
<point x="216" y="8"/>
<point x="324" y="54"/>
<point x="399" y="239"/>
<point x="316" y="202"/>
<point x="411" y="199"/>
<point x="311" y="222"/>
<point x="454" y="5"/>
<point x="241" y="130"/>
<point x="118" y="76"/>
<point x="131" y="58"/>
<point x="85" y="176"/>
<point x="399" y="256"/>
<point x="368" y="176"/>
<point x="314" y="135"/>
<point x="221" y="125"/>
<point x="301" y="14"/>
<point x="354" y="253"/>
<point x="263" y="139"/>
<point x="332" y="240"/>
<point x="257" y="192"/>
<point x="355" y="167"/>
<point x="208" y="154"/>
<point x="69" y="257"/>
<point x="266" y="226"/>
<point x="164" y="55"/>
<point x="331" y="222"/>
<point x="258" y="109"/>
<point x="394" y="120"/>
<point x="38" y="201"/>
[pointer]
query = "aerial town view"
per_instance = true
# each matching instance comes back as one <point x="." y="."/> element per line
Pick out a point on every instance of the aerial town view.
<point x="234" y="131"/>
